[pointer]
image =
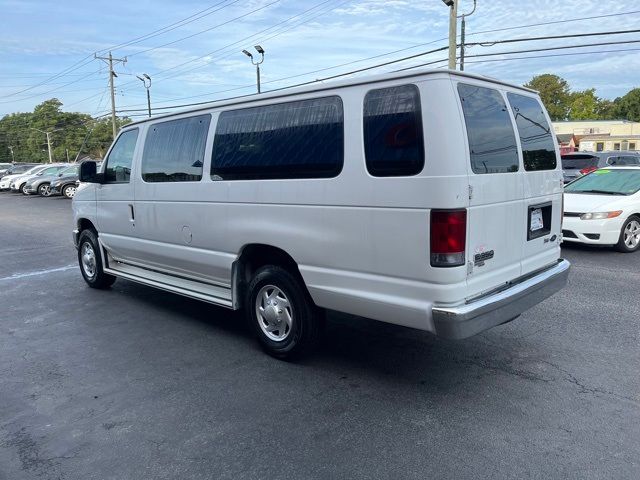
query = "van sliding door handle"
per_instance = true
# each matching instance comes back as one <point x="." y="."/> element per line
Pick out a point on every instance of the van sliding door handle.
<point x="132" y="216"/>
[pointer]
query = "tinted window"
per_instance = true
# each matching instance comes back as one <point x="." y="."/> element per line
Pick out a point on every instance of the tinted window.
<point x="623" y="160"/>
<point x="491" y="139"/>
<point x="538" y="149"/>
<point x="578" y="162"/>
<point x="174" y="150"/>
<point x="302" y="139"/>
<point x="120" y="158"/>
<point x="393" y="131"/>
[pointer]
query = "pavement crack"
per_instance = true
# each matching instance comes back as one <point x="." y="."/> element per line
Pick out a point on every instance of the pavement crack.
<point x="586" y="389"/>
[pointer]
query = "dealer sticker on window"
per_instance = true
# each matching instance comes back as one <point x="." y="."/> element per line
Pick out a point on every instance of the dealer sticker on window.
<point x="536" y="220"/>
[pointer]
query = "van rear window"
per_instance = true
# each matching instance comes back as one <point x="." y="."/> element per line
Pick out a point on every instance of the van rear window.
<point x="301" y="139"/>
<point x="492" y="142"/>
<point x="538" y="149"/>
<point x="578" y="162"/>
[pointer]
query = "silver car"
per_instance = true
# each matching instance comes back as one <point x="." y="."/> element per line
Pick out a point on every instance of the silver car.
<point x="575" y="165"/>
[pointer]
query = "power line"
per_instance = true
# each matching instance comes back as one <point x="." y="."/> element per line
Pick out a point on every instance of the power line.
<point x="545" y="49"/>
<point x="550" y="37"/>
<point x="207" y="29"/>
<point x="416" y="66"/>
<point x="261" y="40"/>
<point x="173" y="26"/>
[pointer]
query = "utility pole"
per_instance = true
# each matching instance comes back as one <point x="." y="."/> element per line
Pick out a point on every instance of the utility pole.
<point x="260" y="50"/>
<point x="462" y="31"/>
<point x="453" y="24"/>
<point x="146" y="81"/>
<point x="109" y="60"/>
<point x="48" y="134"/>
<point x="13" y="157"/>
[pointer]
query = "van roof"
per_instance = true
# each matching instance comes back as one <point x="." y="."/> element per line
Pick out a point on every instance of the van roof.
<point x="318" y="87"/>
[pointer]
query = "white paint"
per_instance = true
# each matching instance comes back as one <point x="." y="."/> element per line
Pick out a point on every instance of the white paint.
<point x="17" y="276"/>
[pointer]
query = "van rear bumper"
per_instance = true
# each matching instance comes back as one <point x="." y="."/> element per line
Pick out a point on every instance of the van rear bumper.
<point x="499" y="307"/>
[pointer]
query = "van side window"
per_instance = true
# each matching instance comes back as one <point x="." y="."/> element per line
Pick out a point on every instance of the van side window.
<point x="393" y="131"/>
<point x="492" y="142"/>
<point x="174" y="150"/>
<point x="118" y="169"/>
<point x="538" y="149"/>
<point x="301" y="139"/>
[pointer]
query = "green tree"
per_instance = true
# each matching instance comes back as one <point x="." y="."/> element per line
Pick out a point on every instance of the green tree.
<point x="555" y="94"/>
<point x="71" y="132"/>
<point x="584" y="105"/>
<point x="628" y="106"/>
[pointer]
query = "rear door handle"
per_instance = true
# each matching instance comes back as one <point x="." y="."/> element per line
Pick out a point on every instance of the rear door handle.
<point x="132" y="216"/>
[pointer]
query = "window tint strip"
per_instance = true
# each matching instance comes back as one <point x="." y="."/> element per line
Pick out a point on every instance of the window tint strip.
<point x="538" y="149"/>
<point x="393" y="139"/>
<point x="492" y="141"/>
<point x="301" y="139"/>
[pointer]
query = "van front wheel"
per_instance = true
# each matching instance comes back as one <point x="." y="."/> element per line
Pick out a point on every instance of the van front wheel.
<point x="91" y="263"/>
<point x="281" y="313"/>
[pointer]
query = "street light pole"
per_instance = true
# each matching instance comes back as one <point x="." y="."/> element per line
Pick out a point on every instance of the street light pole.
<point x="146" y="81"/>
<point x="453" y="24"/>
<point x="13" y="157"/>
<point x="260" y="50"/>
<point x="462" y="33"/>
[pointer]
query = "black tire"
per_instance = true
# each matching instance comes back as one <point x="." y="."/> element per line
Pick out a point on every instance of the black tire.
<point x="622" y="245"/>
<point x="44" y="190"/>
<point x="95" y="277"/>
<point x="302" y="335"/>
<point x="23" y="188"/>
<point x="67" y="189"/>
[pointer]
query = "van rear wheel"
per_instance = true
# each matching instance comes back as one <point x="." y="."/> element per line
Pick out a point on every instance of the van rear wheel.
<point x="281" y="313"/>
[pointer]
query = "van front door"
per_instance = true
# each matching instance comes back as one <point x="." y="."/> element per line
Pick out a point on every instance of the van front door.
<point x="115" y="207"/>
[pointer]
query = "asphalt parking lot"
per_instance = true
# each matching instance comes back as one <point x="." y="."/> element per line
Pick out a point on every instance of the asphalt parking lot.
<point x="135" y="383"/>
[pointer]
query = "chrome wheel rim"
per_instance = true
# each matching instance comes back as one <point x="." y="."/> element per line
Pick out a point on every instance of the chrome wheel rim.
<point x="632" y="234"/>
<point x="69" y="192"/>
<point x="45" y="190"/>
<point x="274" y="313"/>
<point x="88" y="260"/>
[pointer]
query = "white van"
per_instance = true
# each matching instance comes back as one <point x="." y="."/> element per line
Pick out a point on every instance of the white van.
<point x="428" y="199"/>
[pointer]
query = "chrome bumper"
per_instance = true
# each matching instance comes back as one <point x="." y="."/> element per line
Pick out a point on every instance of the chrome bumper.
<point x="500" y="307"/>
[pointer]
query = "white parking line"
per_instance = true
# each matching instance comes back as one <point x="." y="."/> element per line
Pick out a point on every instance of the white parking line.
<point x="39" y="272"/>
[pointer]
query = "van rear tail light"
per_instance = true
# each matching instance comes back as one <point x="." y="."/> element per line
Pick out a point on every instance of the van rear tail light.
<point x="448" y="237"/>
<point x="586" y="170"/>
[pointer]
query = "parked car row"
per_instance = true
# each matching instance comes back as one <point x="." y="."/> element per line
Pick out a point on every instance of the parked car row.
<point x="44" y="180"/>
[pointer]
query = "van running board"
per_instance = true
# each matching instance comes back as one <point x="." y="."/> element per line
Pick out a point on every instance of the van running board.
<point x="189" y="288"/>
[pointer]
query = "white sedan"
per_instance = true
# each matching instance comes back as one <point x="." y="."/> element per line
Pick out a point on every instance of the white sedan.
<point x="603" y="208"/>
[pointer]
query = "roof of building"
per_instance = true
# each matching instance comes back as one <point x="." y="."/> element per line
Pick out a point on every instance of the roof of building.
<point x="609" y="137"/>
<point x="564" y="137"/>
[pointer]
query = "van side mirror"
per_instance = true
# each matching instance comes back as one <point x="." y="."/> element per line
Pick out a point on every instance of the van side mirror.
<point x="88" y="172"/>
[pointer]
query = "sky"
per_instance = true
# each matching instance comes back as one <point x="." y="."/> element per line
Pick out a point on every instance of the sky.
<point x="192" y="49"/>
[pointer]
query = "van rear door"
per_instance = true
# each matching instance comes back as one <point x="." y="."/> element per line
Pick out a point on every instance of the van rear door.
<point x="542" y="180"/>
<point x="495" y="220"/>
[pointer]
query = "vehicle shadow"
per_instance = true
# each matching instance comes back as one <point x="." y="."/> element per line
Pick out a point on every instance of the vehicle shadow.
<point x="379" y="351"/>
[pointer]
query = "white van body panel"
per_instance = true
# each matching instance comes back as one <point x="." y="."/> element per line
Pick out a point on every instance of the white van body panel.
<point x="361" y="243"/>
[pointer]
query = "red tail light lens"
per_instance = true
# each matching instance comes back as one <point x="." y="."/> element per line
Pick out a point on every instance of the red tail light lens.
<point x="584" y="171"/>
<point x="448" y="237"/>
